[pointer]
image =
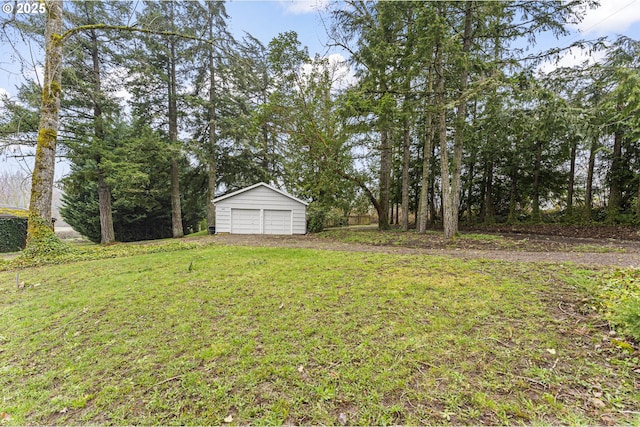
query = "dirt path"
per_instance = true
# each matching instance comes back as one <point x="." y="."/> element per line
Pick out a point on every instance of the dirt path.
<point x="629" y="258"/>
<point x="513" y="247"/>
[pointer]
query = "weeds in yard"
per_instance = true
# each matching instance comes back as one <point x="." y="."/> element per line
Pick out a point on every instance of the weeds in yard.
<point x="85" y="252"/>
<point x="619" y="293"/>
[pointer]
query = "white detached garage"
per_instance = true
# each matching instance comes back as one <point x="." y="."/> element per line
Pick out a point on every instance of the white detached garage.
<point x="260" y="209"/>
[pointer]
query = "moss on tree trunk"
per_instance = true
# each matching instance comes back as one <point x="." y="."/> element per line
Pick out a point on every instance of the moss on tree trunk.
<point x="43" y="170"/>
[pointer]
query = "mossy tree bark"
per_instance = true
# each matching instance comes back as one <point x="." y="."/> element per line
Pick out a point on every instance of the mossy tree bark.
<point x="44" y="167"/>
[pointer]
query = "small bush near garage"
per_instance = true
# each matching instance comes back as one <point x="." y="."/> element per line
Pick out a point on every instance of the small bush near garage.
<point x="316" y="216"/>
<point x="13" y="234"/>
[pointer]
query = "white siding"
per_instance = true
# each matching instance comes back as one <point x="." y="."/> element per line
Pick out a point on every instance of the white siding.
<point x="263" y="199"/>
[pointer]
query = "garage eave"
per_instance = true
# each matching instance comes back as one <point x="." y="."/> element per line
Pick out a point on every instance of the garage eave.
<point x="260" y="184"/>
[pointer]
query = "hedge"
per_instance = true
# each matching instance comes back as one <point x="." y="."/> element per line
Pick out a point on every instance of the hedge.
<point x="13" y="234"/>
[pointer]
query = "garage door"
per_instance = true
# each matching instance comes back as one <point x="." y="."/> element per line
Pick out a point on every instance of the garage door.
<point x="277" y="222"/>
<point x="245" y="221"/>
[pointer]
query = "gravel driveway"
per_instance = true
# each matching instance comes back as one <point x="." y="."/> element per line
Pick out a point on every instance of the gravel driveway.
<point x="629" y="258"/>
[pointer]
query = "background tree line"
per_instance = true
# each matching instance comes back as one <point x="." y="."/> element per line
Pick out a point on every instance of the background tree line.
<point x="445" y="119"/>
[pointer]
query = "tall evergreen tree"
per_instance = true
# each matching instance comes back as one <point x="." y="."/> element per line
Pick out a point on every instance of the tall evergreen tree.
<point x="159" y="67"/>
<point x="89" y="106"/>
<point x="212" y="88"/>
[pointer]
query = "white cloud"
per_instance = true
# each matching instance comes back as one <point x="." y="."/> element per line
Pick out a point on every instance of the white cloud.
<point x="344" y="76"/>
<point x="300" y="7"/>
<point x="116" y="77"/>
<point x="572" y="58"/>
<point x="341" y="74"/>
<point x="611" y="16"/>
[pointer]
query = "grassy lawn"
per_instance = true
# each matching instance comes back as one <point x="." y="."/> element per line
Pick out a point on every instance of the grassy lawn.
<point x="233" y="335"/>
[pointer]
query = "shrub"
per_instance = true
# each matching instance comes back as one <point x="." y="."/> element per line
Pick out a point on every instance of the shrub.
<point x="13" y="234"/>
<point x="316" y="216"/>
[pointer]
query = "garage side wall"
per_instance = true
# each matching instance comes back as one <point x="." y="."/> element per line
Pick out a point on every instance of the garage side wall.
<point x="264" y="199"/>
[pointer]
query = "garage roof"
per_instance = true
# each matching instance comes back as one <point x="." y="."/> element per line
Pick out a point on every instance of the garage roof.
<point x="260" y="184"/>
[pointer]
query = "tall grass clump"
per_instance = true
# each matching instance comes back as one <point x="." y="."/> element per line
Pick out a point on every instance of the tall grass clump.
<point x="620" y="296"/>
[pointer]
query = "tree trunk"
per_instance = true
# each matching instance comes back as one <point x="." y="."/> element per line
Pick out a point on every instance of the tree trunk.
<point x="638" y="201"/>
<point x="588" y="197"/>
<point x="385" y="179"/>
<point x="107" y="233"/>
<point x="423" y="210"/>
<point x="211" y="160"/>
<point x="615" y="189"/>
<point x="451" y="189"/>
<point x="470" y="191"/>
<point x="490" y="210"/>
<point x="423" y="216"/>
<point x="513" y="194"/>
<point x="44" y="167"/>
<point x="397" y="212"/>
<point x="535" y="216"/>
<point x="375" y="202"/>
<point x="432" y="196"/>
<point x="483" y="186"/>
<point x="405" y="177"/>
<point x="447" y="217"/>
<point x="572" y="177"/>
<point x="176" y="210"/>
<point x="416" y="193"/>
<point x="471" y="174"/>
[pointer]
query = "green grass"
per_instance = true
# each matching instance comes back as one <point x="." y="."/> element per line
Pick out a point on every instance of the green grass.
<point x="191" y="334"/>
<point x="597" y="249"/>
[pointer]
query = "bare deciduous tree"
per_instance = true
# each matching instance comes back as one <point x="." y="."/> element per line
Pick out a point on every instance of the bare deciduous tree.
<point x="14" y="189"/>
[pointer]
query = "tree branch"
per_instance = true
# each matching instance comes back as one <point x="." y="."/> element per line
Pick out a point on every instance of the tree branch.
<point x="81" y="28"/>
